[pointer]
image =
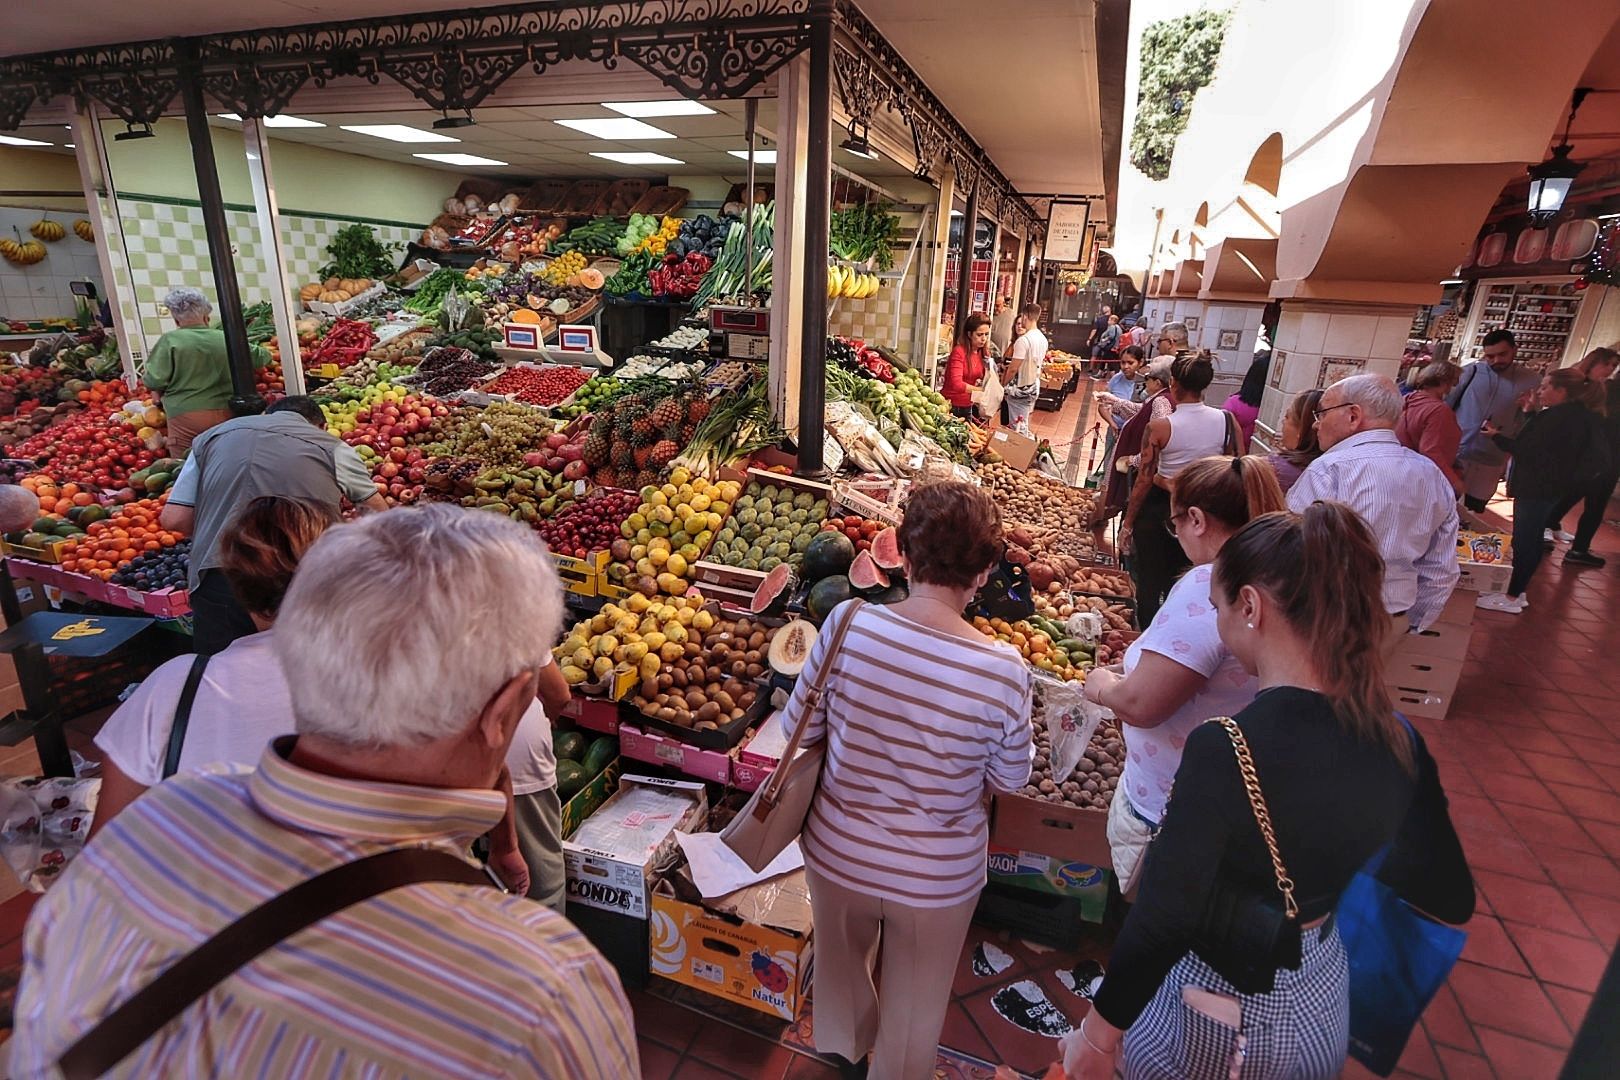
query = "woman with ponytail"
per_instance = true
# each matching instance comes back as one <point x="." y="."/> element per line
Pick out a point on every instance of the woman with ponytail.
<point x="1230" y="963"/>
<point x="1178" y="673"/>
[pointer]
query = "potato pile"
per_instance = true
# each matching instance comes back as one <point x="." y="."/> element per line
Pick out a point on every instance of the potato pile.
<point x="1028" y="498"/>
<point x="1091" y="785"/>
<point x="1058" y="559"/>
<point x="714" y="680"/>
<point x="1060" y="606"/>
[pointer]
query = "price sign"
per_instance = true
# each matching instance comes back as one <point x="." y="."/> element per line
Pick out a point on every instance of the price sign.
<point x="1066" y="231"/>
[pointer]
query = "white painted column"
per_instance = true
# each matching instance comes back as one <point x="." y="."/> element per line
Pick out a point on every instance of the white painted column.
<point x="1320" y="342"/>
<point x="928" y="324"/>
<point x="101" y="200"/>
<point x="792" y="187"/>
<point x="257" y="145"/>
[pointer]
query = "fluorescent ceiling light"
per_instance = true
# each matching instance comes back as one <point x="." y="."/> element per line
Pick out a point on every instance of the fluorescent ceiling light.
<point x="619" y="129"/>
<point x="460" y="159"/>
<point x="70" y="146"/>
<point x="956" y="213"/>
<point x="397" y="133"/>
<point x="645" y="109"/>
<point x="639" y="157"/>
<point x="282" y="121"/>
<point x="13" y="140"/>
<point x="761" y="157"/>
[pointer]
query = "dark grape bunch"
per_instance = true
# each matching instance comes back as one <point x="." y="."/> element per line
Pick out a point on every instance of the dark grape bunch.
<point x="154" y="570"/>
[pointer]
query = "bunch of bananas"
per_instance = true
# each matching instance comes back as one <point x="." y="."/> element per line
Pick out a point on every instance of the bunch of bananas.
<point x="47" y="230"/>
<point x="850" y="283"/>
<point x="21" y="252"/>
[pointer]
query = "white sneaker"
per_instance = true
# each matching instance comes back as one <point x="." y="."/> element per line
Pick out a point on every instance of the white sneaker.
<point x="1500" y="602"/>
<point x="1564" y="536"/>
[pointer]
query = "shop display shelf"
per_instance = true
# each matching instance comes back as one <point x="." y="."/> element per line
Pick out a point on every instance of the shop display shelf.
<point x="593" y="713"/>
<point x="721" y="738"/>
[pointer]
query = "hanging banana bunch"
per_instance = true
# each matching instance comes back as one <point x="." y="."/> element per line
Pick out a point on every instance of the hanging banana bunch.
<point x="47" y="230"/>
<point x="20" y="252"/>
<point x="84" y="231"/>
<point x="851" y="284"/>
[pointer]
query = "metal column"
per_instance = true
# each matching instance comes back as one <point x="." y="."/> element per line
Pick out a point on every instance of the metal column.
<point x="817" y="225"/>
<point x="246" y="399"/>
<point x="269" y="215"/>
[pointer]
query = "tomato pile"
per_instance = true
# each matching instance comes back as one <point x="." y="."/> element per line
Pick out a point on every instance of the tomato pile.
<point x="89" y="448"/>
<point x="539" y="386"/>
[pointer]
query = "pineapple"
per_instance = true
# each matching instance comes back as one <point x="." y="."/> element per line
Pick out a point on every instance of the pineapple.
<point x="623" y="455"/>
<point x="666" y="413"/>
<point x="663" y="452"/>
<point x="698" y="410"/>
<point x="642" y="455"/>
<point x="597" y="443"/>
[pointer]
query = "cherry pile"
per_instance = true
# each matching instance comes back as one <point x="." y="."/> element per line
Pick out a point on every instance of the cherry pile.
<point x="541" y="386"/>
<point x="589" y="525"/>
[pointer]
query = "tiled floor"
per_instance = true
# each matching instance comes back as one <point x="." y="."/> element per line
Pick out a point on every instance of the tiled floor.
<point x="1530" y="754"/>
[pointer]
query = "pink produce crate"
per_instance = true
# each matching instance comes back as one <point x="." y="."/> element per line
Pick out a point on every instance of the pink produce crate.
<point x="661" y="750"/>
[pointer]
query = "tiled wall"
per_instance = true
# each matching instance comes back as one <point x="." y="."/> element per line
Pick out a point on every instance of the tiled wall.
<point x="872" y="319"/>
<point x="167" y="246"/>
<point x="41" y="291"/>
<point x="1229" y="318"/>
<point x="1363" y="339"/>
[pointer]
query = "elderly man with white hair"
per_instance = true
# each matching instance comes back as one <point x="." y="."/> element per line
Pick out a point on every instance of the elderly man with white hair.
<point x="189" y="370"/>
<point x="412" y="642"/>
<point x="1403" y="497"/>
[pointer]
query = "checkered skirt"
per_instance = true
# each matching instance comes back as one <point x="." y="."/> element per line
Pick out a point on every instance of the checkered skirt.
<point x="1299" y="1031"/>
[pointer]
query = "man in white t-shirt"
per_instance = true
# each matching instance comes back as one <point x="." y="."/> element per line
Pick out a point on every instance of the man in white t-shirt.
<point x="1022" y="381"/>
<point x="537" y="810"/>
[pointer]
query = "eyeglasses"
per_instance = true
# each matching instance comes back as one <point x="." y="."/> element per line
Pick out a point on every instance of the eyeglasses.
<point x="1320" y="412"/>
<point x="1170" y="522"/>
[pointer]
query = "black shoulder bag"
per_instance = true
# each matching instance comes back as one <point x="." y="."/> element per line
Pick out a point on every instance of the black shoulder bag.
<point x="151" y="1008"/>
<point x="182" y="716"/>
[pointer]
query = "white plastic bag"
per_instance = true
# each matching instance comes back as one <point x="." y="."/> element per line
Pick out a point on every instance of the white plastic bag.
<point x="1070" y="722"/>
<point x="988" y="397"/>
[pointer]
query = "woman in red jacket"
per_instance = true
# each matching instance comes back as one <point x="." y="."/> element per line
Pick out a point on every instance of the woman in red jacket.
<point x="964" y="371"/>
<point x="1427" y="423"/>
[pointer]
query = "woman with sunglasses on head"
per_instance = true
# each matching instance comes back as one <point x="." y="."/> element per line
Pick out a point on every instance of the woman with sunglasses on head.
<point x="1229" y="963"/>
<point x="1299" y="444"/>
<point x="1178" y="674"/>
<point x="1155" y="405"/>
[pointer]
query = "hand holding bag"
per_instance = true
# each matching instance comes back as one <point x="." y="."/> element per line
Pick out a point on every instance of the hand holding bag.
<point x="988" y="397"/>
<point x="775" y="816"/>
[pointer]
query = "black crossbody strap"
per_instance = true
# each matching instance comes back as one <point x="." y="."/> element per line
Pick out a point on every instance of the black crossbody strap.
<point x="182" y="716"/>
<point x="239" y="944"/>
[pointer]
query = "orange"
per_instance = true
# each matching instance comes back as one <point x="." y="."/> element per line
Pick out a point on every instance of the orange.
<point x="81" y="498"/>
<point x="69" y="490"/>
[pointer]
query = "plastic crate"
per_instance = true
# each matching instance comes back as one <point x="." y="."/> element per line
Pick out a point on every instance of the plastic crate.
<point x="1035" y="916"/>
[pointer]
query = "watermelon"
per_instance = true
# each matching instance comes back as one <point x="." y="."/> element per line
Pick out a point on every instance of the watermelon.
<point x="827" y="594"/>
<point x="603" y="749"/>
<point x="886" y="549"/>
<point x="571" y="779"/>
<point x="570" y="746"/>
<point x="774" y="590"/>
<point x="892" y="595"/>
<point x="828" y="555"/>
<point x="866" y="576"/>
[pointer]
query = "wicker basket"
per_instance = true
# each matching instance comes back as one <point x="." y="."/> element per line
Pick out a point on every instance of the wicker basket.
<point x="620" y="196"/>
<point x="661" y="201"/>
<point x="582" y="198"/>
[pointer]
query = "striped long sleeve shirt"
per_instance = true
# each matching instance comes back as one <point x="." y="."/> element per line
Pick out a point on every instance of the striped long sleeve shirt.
<point x="433" y="979"/>
<point x="1407" y="503"/>
<point x="917" y="723"/>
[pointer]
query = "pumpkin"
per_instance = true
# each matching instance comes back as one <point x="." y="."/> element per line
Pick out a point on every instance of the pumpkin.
<point x="591" y="279"/>
<point x="335" y="296"/>
<point x="47" y="230"/>
<point x="84" y="231"/>
<point x="332" y="284"/>
<point x="524" y="315"/>
<point x="310" y="292"/>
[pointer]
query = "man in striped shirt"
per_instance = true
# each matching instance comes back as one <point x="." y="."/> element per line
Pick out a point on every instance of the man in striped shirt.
<point x="1404" y="498"/>
<point x="391" y="628"/>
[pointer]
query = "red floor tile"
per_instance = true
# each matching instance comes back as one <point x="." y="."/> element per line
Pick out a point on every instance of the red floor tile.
<point x="1503" y="853"/>
<point x="1445" y="1023"/>
<point x="735" y="1051"/>
<point x="1534" y="903"/>
<point x="658" y="1062"/>
<point x="1546" y="828"/>
<point x="1489" y="944"/>
<point x="1601" y="915"/>
<point x="1575" y="962"/>
<point x="1571" y="1004"/>
<point x="1419" y="1059"/>
<point x="663" y="1021"/>
<point x="1575" y="871"/>
<point x="1515" y="1057"/>
<point x="1589" y="803"/>
<point x="1522" y="791"/>
<point x="1511" y="1003"/>
<point x="1596" y="751"/>
<point x="692" y="1069"/>
<point x="1461" y="1066"/>
<point x="1606" y="835"/>
<point x="963" y="1035"/>
<point x="808" y="1068"/>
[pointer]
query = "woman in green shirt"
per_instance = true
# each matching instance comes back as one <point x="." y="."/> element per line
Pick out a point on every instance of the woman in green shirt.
<point x="189" y="372"/>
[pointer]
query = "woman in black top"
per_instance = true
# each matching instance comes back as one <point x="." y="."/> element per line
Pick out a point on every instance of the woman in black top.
<point x="1559" y="452"/>
<point x="1299" y="603"/>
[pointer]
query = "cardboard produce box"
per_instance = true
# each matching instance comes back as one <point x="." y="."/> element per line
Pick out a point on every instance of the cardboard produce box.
<point x="752" y="946"/>
<point x="1059" y="877"/>
<point x="1069" y="833"/>
<point x="611" y="855"/>
<point x="1015" y="449"/>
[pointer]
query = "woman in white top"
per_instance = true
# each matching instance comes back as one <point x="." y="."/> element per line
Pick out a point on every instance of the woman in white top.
<point x="1023" y="375"/>
<point x="922" y="716"/>
<point x="1178" y="673"/>
<point x="1193" y="431"/>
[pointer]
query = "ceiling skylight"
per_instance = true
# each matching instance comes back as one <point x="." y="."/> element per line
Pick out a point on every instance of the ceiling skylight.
<point x="619" y="129"/>
<point x="761" y="157"/>
<point x="647" y="109"/>
<point x="460" y="159"/>
<point x="639" y="157"/>
<point x="397" y="133"/>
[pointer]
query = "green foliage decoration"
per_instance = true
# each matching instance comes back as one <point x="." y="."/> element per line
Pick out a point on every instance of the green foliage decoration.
<point x="1178" y="60"/>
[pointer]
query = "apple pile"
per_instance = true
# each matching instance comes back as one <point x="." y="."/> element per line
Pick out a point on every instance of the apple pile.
<point x="398" y="419"/>
<point x="592" y="524"/>
<point x="399" y="474"/>
<point x="565" y="454"/>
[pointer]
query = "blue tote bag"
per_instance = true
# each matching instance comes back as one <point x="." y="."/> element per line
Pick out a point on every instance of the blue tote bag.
<point x="1398" y="957"/>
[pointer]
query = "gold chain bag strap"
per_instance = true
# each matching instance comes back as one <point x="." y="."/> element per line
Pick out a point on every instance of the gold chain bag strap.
<point x="775" y="815"/>
<point x="1246" y="936"/>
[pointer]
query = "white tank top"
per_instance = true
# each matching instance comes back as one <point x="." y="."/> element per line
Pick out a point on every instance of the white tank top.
<point x="1196" y="431"/>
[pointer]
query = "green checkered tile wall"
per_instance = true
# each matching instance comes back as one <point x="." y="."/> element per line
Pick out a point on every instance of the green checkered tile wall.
<point x="167" y="246"/>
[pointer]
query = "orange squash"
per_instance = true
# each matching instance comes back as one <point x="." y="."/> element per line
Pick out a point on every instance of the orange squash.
<point x="524" y="315"/>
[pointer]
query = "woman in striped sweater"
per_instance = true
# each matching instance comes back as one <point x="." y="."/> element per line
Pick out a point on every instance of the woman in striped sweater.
<point x="923" y="716"/>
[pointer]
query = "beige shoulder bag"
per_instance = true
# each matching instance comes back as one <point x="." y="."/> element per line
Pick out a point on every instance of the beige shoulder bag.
<point x="775" y="816"/>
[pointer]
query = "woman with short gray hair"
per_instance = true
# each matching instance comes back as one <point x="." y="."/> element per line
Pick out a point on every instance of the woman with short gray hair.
<point x="188" y="370"/>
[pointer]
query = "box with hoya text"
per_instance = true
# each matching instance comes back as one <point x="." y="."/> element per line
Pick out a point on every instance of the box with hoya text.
<point x="1059" y="877"/>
